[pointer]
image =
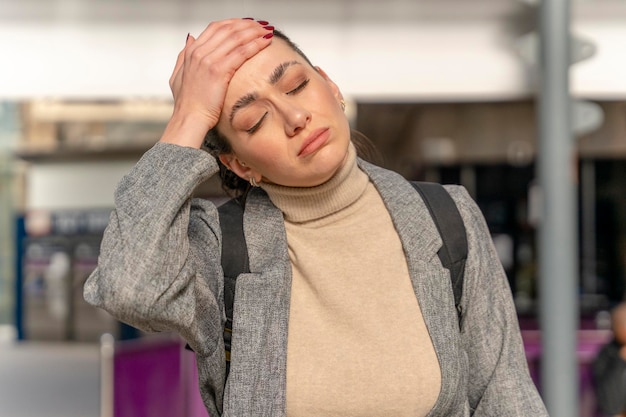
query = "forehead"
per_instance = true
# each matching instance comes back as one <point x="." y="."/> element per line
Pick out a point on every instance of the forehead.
<point x="258" y="68"/>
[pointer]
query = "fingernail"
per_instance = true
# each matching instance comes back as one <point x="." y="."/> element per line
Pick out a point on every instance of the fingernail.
<point x="268" y="27"/>
<point x="269" y="35"/>
<point x="248" y="18"/>
<point x="187" y="38"/>
<point x="263" y="22"/>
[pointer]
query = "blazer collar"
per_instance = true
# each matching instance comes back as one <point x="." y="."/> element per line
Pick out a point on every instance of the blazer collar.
<point x="431" y="282"/>
<point x="408" y="211"/>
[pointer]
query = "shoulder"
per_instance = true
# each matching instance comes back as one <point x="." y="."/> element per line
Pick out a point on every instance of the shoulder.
<point x="203" y="220"/>
<point x="458" y="192"/>
<point x="383" y="178"/>
<point x="394" y="189"/>
<point x="461" y="197"/>
<point x="469" y="209"/>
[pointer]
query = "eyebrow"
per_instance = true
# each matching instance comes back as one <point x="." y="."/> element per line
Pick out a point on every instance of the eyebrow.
<point x="279" y="71"/>
<point x="250" y="98"/>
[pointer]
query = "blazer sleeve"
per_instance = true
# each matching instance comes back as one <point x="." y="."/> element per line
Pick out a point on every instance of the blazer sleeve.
<point x="159" y="263"/>
<point x="499" y="379"/>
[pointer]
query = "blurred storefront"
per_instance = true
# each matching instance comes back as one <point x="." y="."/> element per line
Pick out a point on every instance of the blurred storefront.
<point x="70" y="172"/>
<point x="490" y="148"/>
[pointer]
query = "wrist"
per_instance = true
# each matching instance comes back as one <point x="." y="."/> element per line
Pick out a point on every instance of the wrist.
<point x="186" y="130"/>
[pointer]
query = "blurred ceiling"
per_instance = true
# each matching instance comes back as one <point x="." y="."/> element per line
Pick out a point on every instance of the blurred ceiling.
<point x="155" y="10"/>
<point x="328" y="10"/>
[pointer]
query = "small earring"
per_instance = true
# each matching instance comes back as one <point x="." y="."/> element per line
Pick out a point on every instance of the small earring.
<point x="253" y="182"/>
<point x="343" y="104"/>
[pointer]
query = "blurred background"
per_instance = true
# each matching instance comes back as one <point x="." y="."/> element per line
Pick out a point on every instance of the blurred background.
<point x="447" y="90"/>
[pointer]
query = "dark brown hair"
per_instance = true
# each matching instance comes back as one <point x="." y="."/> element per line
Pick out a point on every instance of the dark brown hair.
<point x="217" y="144"/>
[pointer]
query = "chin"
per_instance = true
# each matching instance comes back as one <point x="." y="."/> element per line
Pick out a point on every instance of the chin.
<point x="326" y="163"/>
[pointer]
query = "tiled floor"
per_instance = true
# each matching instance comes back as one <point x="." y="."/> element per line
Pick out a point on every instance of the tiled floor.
<point x="49" y="379"/>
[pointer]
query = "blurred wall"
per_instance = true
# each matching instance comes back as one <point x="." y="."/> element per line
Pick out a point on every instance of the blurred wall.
<point x="407" y="50"/>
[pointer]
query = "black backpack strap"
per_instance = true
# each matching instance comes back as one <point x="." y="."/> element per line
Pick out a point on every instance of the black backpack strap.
<point x="234" y="261"/>
<point x="447" y="218"/>
<point x="234" y="249"/>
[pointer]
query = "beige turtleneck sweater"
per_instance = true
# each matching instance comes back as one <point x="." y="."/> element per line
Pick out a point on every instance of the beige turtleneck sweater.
<point x="357" y="343"/>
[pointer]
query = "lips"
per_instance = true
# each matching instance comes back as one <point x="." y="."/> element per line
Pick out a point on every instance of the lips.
<point x="314" y="141"/>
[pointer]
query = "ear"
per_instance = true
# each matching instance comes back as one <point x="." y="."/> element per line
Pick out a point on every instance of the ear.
<point x="238" y="167"/>
<point x="333" y="86"/>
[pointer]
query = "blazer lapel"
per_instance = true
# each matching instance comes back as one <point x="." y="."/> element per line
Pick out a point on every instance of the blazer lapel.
<point x="258" y="366"/>
<point x="431" y="282"/>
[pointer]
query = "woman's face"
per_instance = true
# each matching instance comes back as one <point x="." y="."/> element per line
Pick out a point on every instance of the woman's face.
<point x="284" y="120"/>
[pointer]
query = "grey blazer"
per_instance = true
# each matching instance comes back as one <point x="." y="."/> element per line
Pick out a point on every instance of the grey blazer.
<point x="159" y="269"/>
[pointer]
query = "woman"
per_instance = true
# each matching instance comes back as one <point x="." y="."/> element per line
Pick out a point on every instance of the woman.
<point x="609" y="368"/>
<point x="347" y="310"/>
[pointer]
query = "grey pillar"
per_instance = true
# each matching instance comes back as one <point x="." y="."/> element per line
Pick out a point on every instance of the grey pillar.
<point x="558" y="242"/>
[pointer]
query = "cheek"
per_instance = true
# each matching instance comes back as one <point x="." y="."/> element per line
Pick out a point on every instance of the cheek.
<point x="262" y="153"/>
<point x="325" y="95"/>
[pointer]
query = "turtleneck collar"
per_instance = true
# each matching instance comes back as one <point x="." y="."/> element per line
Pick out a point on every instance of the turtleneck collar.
<point x="302" y="204"/>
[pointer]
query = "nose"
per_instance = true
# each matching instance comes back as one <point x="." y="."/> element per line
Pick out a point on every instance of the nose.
<point x="296" y="118"/>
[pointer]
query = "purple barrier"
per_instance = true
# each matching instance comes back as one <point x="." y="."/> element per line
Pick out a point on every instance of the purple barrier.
<point x="195" y="406"/>
<point x="154" y="377"/>
<point x="589" y="343"/>
<point x="157" y="377"/>
<point x="147" y="376"/>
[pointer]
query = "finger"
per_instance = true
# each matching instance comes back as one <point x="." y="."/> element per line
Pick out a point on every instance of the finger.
<point x="243" y="43"/>
<point x="218" y="26"/>
<point x="244" y="49"/>
<point x="231" y="61"/>
<point x="180" y="60"/>
<point x="181" y="56"/>
<point x="228" y="32"/>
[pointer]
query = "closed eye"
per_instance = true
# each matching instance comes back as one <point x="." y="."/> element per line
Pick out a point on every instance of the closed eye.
<point x="300" y="87"/>
<point x="296" y="90"/>
<point x="257" y="125"/>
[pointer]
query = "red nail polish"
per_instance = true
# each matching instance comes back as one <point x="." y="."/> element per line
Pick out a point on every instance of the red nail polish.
<point x="268" y="27"/>
<point x="248" y="18"/>
<point x="188" y="35"/>
<point x="268" y="36"/>
<point x="263" y="22"/>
